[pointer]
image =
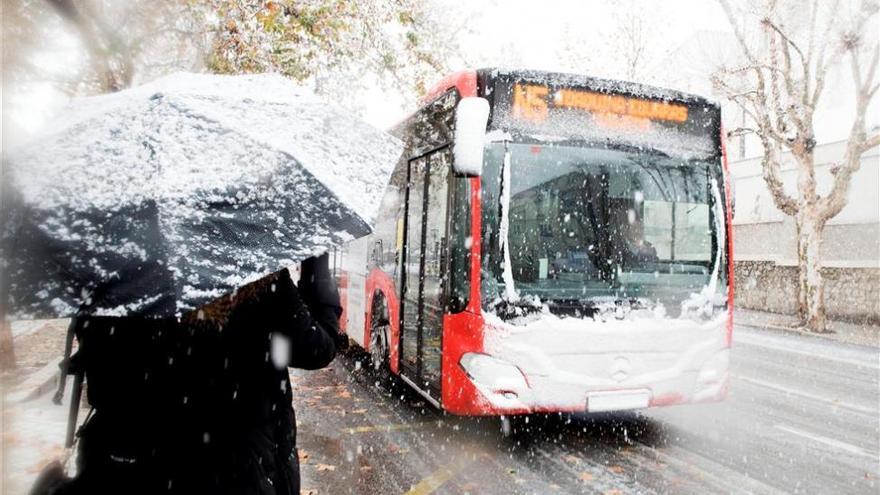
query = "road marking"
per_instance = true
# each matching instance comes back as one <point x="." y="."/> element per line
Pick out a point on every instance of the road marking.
<point x="392" y="427"/>
<point x="434" y="480"/>
<point x="846" y="447"/>
<point x="706" y="470"/>
<point x="760" y="341"/>
<point x="604" y="480"/>
<point x="807" y="395"/>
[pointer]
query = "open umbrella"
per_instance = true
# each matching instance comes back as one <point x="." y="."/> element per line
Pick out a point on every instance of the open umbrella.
<point x="155" y="200"/>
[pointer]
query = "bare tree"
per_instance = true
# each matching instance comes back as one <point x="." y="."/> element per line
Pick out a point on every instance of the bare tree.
<point x="631" y="42"/>
<point x="123" y="40"/>
<point x="623" y="49"/>
<point x="7" y="350"/>
<point x="779" y="87"/>
<point x="338" y="47"/>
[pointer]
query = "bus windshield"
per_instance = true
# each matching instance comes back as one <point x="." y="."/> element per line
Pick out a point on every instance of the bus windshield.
<point x="593" y="222"/>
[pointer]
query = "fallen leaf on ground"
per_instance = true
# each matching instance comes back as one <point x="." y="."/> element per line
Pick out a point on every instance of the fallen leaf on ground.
<point x="572" y="459"/>
<point x="397" y="449"/>
<point x="585" y="476"/>
<point x="310" y="491"/>
<point x="615" y="469"/>
<point x="303" y="456"/>
<point x="614" y="492"/>
<point x="366" y="468"/>
<point x="359" y="411"/>
<point x="326" y="467"/>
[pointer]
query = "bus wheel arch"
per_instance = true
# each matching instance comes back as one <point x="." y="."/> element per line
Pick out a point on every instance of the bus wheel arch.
<point x="380" y="333"/>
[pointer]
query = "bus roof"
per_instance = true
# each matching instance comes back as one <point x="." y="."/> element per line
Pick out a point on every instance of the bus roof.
<point x="469" y="82"/>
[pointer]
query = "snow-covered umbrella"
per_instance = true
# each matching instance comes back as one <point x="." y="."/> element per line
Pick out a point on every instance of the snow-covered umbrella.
<point x="155" y="200"/>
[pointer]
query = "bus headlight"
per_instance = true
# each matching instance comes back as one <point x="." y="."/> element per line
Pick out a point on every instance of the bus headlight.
<point x="494" y="375"/>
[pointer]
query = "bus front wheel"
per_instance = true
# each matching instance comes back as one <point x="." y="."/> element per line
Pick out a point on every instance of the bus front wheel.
<point x="379" y="330"/>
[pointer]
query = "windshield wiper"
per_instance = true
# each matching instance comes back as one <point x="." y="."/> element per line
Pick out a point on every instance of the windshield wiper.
<point x="591" y="307"/>
<point x="506" y="309"/>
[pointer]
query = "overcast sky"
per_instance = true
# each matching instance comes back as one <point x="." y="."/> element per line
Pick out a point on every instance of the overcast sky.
<point x="531" y="34"/>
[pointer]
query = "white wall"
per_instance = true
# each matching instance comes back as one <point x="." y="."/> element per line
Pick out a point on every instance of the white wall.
<point x="763" y="233"/>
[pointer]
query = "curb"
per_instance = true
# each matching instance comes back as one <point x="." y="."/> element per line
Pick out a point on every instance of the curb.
<point x="832" y="336"/>
<point x="38" y="383"/>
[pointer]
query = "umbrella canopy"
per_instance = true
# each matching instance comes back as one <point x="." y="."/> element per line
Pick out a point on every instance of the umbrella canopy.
<point x="155" y="200"/>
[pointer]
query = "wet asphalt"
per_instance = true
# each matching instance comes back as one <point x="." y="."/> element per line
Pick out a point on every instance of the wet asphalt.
<point x="802" y="417"/>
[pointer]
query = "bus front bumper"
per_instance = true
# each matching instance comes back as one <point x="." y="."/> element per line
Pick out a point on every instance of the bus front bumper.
<point x="594" y="370"/>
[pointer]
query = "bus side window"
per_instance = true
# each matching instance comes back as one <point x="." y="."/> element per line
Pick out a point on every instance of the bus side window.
<point x="460" y="244"/>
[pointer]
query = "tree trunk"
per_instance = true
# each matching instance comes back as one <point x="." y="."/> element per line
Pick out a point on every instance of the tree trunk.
<point x="811" y="288"/>
<point x="7" y="352"/>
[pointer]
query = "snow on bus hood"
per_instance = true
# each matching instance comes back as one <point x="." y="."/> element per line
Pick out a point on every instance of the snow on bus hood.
<point x="561" y="360"/>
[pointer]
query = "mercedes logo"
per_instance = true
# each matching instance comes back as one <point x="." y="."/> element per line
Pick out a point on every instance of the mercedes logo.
<point x="620" y="369"/>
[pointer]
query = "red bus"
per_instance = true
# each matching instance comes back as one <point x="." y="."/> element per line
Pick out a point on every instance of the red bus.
<point x="550" y="242"/>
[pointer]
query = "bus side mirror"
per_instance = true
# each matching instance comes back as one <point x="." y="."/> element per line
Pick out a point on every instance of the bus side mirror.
<point x="471" y="118"/>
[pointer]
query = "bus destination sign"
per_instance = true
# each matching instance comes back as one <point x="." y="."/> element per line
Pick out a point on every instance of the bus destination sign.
<point x="533" y="102"/>
<point x="592" y="110"/>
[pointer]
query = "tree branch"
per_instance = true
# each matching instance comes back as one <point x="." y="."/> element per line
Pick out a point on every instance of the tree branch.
<point x="858" y="143"/>
<point x="762" y="117"/>
<point x="789" y="42"/>
<point x="771" y="174"/>
<point x="740" y="38"/>
<point x="811" y="46"/>
<point x="741" y="131"/>
<point x="822" y="65"/>
<point x="788" y="110"/>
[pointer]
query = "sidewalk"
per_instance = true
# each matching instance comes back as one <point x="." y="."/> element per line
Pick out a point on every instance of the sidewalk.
<point x="841" y="331"/>
<point x="33" y="428"/>
<point x="36" y="344"/>
<point x="33" y="438"/>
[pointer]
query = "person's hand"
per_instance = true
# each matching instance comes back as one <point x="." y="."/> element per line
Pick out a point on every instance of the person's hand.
<point x="316" y="282"/>
<point x="314" y="270"/>
<point x="341" y="341"/>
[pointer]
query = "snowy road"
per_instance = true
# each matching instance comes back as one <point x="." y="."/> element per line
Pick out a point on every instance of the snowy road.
<point x="802" y="417"/>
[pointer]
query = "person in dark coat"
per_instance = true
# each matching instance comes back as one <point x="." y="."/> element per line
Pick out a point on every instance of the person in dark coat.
<point x="204" y="404"/>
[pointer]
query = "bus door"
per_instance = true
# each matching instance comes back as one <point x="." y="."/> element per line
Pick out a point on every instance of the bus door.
<point x="424" y="269"/>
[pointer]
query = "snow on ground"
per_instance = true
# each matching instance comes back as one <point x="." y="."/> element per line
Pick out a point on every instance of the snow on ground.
<point x="33" y="438"/>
